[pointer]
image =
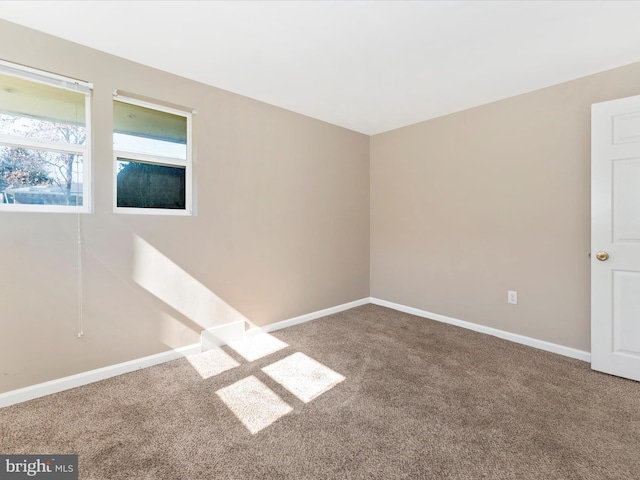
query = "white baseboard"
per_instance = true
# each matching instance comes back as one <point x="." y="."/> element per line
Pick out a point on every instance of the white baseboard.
<point x="272" y="327"/>
<point x="514" y="337"/>
<point x="225" y="333"/>
<point x="216" y="336"/>
<point x="84" y="378"/>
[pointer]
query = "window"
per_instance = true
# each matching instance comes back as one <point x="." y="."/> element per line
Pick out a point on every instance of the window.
<point x="152" y="158"/>
<point x="45" y="149"/>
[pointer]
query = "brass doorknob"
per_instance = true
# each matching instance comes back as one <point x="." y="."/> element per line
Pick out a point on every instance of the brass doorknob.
<point x="602" y="256"/>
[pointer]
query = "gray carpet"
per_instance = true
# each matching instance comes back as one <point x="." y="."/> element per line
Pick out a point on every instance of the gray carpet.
<point x="419" y="400"/>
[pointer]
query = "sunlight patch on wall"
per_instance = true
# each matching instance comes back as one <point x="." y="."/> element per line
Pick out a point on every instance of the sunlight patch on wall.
<point x="253" y="403"/>
<point x="258" y="346"/>
<point x="211" y="362"/>
<point x="303" y="376"/>
<point x="160" y="276"/>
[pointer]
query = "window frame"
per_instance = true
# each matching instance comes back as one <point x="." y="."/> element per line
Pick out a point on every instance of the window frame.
<point x="123" y="155"/>
<point x="17" y="141"/>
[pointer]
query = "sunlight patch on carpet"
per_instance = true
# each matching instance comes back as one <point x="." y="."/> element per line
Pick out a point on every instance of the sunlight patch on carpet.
<point x="253" y="403"/>
<point x="258" y="346"/>
<point x="303" y="376"/>
<point x="211" y="362"/>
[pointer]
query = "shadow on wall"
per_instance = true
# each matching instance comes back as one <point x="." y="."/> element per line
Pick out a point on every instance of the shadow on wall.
<point x="176" y="288"/>
<point x="251" y="400"/>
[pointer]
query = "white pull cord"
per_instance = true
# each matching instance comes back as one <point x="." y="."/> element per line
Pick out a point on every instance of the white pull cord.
<point x="80" y="312"/>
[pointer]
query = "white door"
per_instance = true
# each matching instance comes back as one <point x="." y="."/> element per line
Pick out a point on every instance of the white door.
<point x="615" y="237"/>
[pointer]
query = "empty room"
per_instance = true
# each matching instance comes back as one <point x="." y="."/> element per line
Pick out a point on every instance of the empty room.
<point x="319" y="240"/>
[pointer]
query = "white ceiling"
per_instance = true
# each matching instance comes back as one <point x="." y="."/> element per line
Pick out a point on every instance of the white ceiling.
<point x="370" y="66"/>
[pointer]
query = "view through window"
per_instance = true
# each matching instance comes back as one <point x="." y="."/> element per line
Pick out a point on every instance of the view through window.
<point x="152" y="158"/>
<point x="44" y="141"/>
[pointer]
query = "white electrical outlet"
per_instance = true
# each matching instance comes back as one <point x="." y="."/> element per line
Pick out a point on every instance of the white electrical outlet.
<point x="512" y="297"/>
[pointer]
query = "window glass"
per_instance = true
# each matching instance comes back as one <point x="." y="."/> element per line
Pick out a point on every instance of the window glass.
<point x="44" y="142"/>
<point x="40" y="177"/>
<point x="44" y="104"/>
<point x="152" y="158"/>
<point x="150" y="146"/>
<point x="144" y="130"/>
<point x="146" y="185"/>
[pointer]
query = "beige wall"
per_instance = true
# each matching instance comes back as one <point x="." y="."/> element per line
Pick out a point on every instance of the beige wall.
<point x="463" y="208"/>
<point x="495" y="198"/>
<point x="282" y="229"/>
